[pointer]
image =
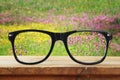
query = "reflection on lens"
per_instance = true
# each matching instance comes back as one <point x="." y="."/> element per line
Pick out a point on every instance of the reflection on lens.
<point x="87" y="46"/>
<point x="32" y="46"/>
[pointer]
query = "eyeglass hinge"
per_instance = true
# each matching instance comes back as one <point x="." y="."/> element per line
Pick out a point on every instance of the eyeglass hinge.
<point x="10" y="35"/>
<point x="110" y="36"/>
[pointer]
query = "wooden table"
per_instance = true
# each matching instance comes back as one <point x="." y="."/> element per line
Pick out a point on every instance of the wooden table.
<point x="59" y="68"/>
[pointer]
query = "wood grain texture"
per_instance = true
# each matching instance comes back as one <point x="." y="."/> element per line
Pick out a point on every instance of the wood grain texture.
<point x="59" y="68"/>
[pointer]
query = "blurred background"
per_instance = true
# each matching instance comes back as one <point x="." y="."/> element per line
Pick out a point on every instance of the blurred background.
<point x="60" y="16"/>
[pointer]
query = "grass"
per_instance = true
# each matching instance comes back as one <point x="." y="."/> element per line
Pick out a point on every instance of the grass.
<point x="67" y="7"/>
<point x="17" y="10"/>
<point x="5" y="46"/>
<point x="59" y="49"/>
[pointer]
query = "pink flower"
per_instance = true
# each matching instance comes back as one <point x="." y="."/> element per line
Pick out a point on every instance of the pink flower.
<point x="61" y="17"/>
<point x="75" y="19"/>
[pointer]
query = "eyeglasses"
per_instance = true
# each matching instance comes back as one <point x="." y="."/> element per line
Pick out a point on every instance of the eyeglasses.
<point x="83" y="46"/>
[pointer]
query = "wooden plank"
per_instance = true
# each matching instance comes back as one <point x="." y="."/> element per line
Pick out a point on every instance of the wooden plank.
<point x="56" y="61"/>
<point x="60" y="68"/>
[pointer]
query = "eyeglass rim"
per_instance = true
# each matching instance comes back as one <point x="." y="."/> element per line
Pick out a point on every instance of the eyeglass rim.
<point x="12" y="36"/>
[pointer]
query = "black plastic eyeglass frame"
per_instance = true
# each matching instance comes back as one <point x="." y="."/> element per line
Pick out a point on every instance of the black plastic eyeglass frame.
<point x="59" y="36"/>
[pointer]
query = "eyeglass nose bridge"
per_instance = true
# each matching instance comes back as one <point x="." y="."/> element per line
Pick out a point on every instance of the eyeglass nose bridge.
<point x="59" y="36"/>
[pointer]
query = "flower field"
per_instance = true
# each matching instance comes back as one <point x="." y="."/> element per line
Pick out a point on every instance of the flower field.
<point x="60" y="16"/>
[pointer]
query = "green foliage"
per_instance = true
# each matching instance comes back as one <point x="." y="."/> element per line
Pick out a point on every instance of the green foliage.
<point x="14" y="12"/>
<point x="41" y="7"/>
